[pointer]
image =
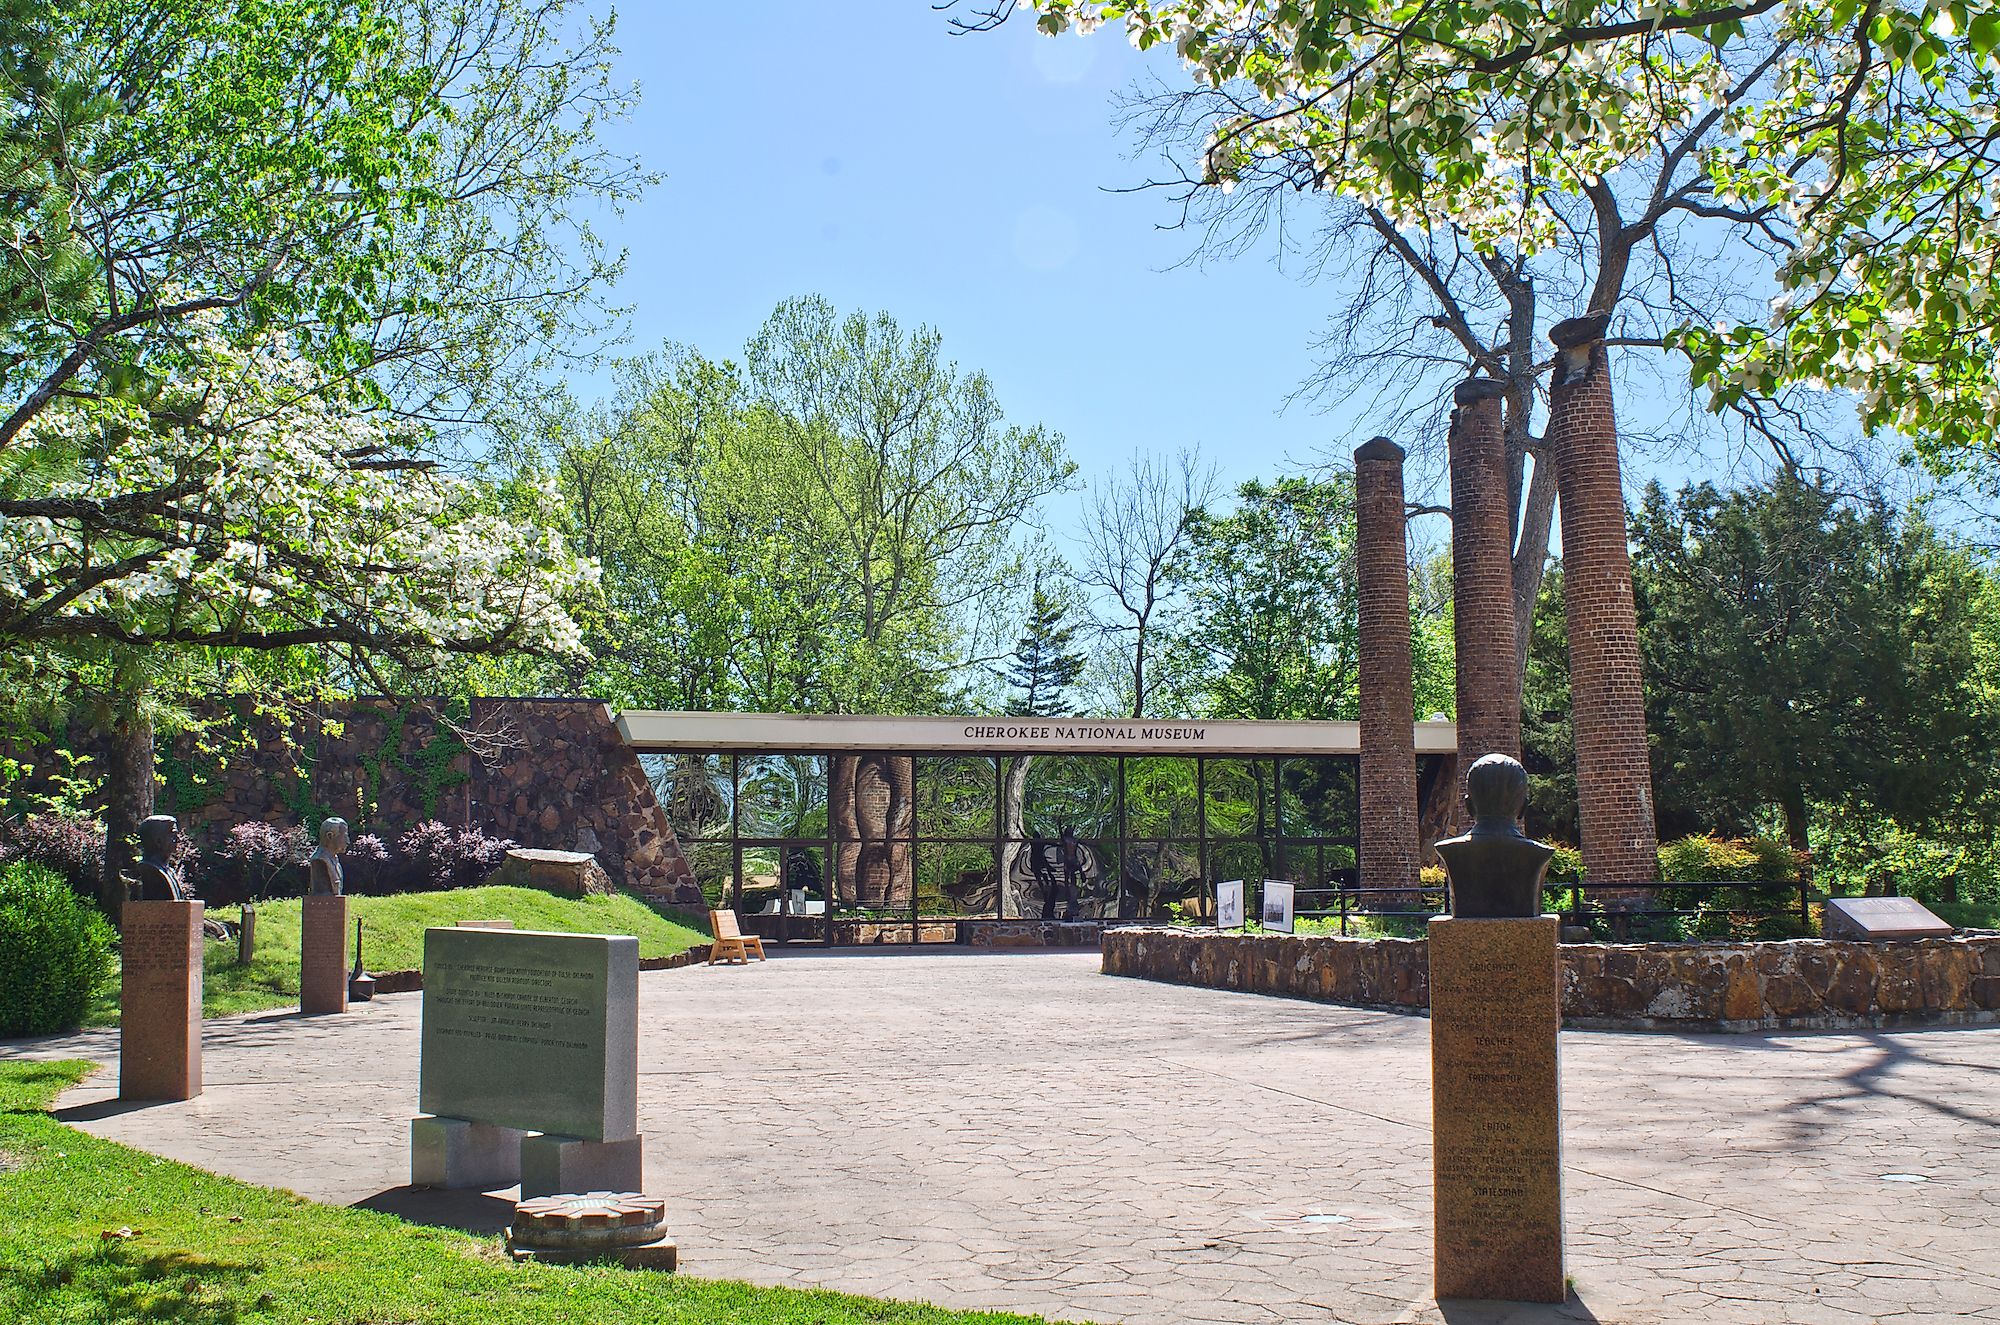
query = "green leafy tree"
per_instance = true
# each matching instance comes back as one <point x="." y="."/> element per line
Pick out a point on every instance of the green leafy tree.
<point x="1804" y="651"/>
<point x="1269" y="622"/>
<point x="1045" y="666"/>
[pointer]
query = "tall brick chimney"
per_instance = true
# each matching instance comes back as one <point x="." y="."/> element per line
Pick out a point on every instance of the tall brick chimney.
<point x="1390" y="850"/>
<point x="1614" y="782"/>
<point x="1482" y="577"/>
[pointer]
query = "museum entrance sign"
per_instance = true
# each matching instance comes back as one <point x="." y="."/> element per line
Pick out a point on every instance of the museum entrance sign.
<point x="650" y="729"/>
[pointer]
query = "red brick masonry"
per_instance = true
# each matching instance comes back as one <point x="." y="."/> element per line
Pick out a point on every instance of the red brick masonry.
<point x="1796" y="984"/>
<point x="1614" y="783"/>
<point x="1389" y="836"/>
<point x="1482" y="570"/>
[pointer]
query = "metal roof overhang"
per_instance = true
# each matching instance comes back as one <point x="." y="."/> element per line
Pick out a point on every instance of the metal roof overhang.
<point x="656" y="729"/>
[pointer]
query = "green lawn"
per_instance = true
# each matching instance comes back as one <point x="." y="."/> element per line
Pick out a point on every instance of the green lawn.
<point x="100" y="1234"/>
<point x="392" y="935"/>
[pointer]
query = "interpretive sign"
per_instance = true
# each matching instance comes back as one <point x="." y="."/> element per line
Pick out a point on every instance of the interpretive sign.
<point x="1229" y="904"/>
<point x="1278" y="898"/>
<point x="1496" y="1117"/>
<point x="1882" y="918"/>
<point x="533" y="1031"/>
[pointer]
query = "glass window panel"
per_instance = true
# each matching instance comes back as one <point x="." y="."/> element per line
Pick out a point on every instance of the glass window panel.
<point x="693" y="789"/>
<point x="955" y="798"/>
<point x="1248" y="861"/>
<point x="782" y="795"/>
<point x="1239" y="797"/>
<point x="1160" y="798"/>
<point x="955" y="879"/>
<point x="1321" y="795"/>
<point x="1079" y="791"/>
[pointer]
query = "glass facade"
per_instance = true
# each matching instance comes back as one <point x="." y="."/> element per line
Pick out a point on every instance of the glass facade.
<point x="909" y="843"/>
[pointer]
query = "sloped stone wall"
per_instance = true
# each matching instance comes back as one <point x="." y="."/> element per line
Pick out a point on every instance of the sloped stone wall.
<point x="1795" y="984"/>
<point x="549" y="773"/>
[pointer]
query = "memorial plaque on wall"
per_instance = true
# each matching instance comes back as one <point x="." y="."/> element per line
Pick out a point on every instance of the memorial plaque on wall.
<point x="1882" y="918"/>
<point x="533" y="1031"/>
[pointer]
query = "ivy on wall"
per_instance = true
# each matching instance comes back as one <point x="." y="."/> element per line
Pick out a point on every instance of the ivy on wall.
<point x="430" y="768"/>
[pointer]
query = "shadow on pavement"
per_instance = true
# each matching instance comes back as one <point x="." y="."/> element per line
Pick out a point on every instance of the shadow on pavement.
<point x="111" y="1108"/>
<point x="471" y="1212"/>
<point x="1461" y="1311"/>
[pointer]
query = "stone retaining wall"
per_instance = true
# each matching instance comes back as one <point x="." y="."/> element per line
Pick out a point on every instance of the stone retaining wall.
<point x="1030" y="933"/>
<point x="1796" y="984"/>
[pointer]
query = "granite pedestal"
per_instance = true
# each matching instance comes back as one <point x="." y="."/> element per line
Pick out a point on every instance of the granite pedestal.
<point x="552" y="1165"/>
<point x="1496" y="1013"/>
<point x="457" y="1153"/>
<point x="323" y="955"/>
<point x="159" y="1001"/>
<point x="530" y="1045"/>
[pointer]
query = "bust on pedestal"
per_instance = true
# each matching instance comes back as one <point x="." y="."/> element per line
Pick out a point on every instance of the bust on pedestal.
<point x="1496" y="1011"/>
<point x="323" y="925"/>
<point x="159" y="994"/>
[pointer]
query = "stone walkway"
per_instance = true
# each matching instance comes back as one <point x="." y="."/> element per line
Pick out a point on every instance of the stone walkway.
<point x="1018" y="1131"/>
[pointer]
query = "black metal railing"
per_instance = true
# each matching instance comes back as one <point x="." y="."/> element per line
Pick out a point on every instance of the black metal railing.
<point x="1627" y="912"/>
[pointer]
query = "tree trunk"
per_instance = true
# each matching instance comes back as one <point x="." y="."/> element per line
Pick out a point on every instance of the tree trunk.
<point x="1794" y="805"/>
<point x="128" y="799"/>
<point x="1013" y="799"/>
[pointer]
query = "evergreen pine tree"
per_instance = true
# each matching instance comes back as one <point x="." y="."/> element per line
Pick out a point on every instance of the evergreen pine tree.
<point x="1044" y="666"/>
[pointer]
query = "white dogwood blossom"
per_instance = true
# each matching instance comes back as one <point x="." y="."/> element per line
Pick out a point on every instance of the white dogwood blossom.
<point x="244" y="503"/>
<point x="1855" y="136"/>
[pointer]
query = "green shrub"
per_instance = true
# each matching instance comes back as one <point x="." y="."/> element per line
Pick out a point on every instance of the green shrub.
<point x="55" y="951"/>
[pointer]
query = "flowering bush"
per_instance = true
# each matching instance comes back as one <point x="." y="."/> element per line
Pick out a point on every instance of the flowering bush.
<point x="269" y="858"/>
<point x="453" y="857"/>
<point x="70" y="846"/>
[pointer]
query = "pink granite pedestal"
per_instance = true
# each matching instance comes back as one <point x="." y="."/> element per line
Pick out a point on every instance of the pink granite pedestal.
<point x="323" y="955"/>
<point x="159" y="1001"/>
<point x="1496" y="1012"/>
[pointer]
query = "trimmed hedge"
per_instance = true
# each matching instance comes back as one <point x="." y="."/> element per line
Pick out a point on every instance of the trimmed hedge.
<point x="55" y="950"/>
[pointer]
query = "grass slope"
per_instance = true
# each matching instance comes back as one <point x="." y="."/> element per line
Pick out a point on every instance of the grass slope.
<point x="1968" y="915"/>
<point x="392" y="939"/>
<point x="100" y="1234"/>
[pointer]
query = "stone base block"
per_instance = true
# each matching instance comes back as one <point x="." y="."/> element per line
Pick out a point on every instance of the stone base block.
<point x="159" y="1001"/>
<point x="323" y="955"/>
<point x="1496" y="1125"/>
<point x="661" y="1255"/>
<point x="457" y="1153"/>
<point x="553" y="1164"/>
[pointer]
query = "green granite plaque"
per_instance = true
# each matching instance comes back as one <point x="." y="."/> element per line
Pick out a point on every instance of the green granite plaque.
<point x="532" y="1031"/>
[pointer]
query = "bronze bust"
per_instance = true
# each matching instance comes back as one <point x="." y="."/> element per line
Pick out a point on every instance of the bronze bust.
<point x="1496" y="870"/>
<point x="323" y="873"/>
<point x="155" y="877"/>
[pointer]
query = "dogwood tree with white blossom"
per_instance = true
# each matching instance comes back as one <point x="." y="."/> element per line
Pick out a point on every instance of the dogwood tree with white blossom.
<point x="1856" y="137"/>
<point x="246" y="505"/>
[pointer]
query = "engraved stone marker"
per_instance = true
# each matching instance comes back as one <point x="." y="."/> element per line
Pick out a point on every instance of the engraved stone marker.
<point x="159" y="1001"/>
<point x="323" y="955"/>
<point x="1881" y="918"/>
<point x="1495" y="1016"/>
<point x="529" y="1032"/>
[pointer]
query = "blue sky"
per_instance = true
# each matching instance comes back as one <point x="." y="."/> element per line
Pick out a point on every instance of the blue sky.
<point x="864" y="153"/>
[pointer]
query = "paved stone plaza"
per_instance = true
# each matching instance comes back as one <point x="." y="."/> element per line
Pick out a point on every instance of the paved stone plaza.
<point x="1021" y="1132"/>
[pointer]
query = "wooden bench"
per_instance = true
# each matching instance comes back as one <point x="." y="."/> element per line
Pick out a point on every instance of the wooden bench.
<point x="731" y="943"/>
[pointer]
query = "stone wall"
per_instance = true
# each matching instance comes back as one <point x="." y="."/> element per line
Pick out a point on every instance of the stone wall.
<point x="1791" y="985"/>
<point x="549" y="773"/>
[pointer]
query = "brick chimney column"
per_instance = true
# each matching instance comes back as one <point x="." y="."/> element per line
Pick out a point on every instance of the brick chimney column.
<point x="1482" y="577"/>
<point x="1389" y="837"/>
<point x="1614" y="781"/>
